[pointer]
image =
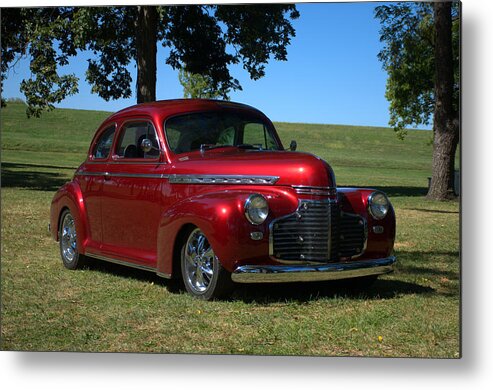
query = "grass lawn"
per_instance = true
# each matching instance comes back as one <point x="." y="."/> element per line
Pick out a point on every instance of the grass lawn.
<point x="413" y="312"/>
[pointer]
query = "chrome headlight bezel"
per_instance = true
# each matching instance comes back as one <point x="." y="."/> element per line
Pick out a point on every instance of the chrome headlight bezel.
<point x="378" y="209"/>
<point x="256" y="213"/>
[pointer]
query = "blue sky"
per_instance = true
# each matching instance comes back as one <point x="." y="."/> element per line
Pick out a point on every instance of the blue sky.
<point x="332" y="74"/>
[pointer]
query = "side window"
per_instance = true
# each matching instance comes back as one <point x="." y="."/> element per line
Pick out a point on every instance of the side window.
<point x="103" y="146"/>
<point x="257" y="134"/>
<point x="131" y="137"/>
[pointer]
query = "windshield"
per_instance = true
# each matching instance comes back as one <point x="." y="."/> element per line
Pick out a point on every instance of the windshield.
<point x="211" y="129"/>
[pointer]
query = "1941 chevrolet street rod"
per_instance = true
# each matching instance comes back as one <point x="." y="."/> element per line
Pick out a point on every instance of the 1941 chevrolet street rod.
<point x="203" y="191"/>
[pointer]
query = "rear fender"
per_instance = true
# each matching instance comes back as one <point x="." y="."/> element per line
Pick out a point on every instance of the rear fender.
<point x="69" y="196"/>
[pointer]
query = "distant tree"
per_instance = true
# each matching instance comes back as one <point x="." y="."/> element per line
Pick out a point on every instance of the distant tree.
<point x="196" y="86"/>
<point x="421" y="57"/>
<point x="198" y="38"/>
<point x="15" y="100"/>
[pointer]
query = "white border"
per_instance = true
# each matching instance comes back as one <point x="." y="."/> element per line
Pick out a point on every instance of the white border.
<point x="139" y="371"/>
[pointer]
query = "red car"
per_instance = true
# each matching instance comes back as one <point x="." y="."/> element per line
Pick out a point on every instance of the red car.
<point x="204" y="191"/>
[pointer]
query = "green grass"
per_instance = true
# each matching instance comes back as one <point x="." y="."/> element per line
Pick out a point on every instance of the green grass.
<point x="105" y="307"/>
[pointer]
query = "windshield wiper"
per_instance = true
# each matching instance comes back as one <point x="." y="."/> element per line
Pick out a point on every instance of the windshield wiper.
<point x="204" y="147"/>
<point x="249" y="146"/>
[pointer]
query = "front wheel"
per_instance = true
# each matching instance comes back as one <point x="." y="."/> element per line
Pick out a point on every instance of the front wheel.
<point x="203" y="275"/>
<point x="71" y="257"/>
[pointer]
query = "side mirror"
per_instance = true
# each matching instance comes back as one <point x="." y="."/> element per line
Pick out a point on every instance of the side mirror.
<point x="146" y="145"/>
<point x="293" y="145"/>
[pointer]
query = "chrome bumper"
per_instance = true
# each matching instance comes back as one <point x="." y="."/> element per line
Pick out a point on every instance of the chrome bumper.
<point x="312" y="273"/>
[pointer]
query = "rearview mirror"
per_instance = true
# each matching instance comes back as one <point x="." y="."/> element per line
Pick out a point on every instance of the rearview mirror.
<point x="146" y="145"/>
<point x="293" y="145"/>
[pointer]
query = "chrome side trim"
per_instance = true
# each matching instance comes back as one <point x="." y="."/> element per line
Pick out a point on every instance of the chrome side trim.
<point x="222" y="179"/>
<point x="192" y="179"/>
<point x="121" y="262"/>
<point x="312" y="273"/>
<point x="78" y="173"/>
<point x="128" y="162"/>
<point x="163" y="275"/>
<point x="124" y="174"/>
<point x="144" y="175"/>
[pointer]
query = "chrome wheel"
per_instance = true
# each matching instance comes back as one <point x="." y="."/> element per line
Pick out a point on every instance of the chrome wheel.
<point x="68" y="239"/>
<point x="198" y="262"/>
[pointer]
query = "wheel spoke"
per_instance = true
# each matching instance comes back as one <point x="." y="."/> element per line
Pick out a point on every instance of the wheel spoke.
<point x="207" y="271"/>
<point x="190" y="260"/>
<point x="200" y="244"/>
<point x="200" y="278"/>
<point x="207" y="279"/>
<point x="192" y="250"/>
<point x="208" y="253"/>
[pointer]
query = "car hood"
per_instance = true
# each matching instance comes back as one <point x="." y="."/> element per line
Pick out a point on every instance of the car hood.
<point x="292" y="168"/>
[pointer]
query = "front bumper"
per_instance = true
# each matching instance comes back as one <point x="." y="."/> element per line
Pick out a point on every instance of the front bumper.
<point x="312" y="273"/>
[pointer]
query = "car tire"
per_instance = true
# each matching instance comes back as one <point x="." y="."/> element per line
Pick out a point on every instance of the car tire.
<point x="203" y="275"/>
<point x="69" y="253"/>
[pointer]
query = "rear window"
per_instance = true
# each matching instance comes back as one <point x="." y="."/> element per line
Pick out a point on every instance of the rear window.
<point x="102" y="147"/>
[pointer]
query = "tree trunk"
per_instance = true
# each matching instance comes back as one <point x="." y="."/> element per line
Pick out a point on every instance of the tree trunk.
<point x="446" y="136"/>
<point x="452" y="157"/>
<point x="146" y="47"/>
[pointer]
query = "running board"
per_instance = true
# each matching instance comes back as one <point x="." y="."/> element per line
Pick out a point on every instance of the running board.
<point x="129" y="264"/>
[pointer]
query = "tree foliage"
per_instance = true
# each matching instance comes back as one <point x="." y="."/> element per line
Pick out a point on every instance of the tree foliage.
<point x="407" y="31"/>
<point x="196" y="86"/>
<point x="421" y="57"/>
<point x="44" y="35"/>
<point x="201" y="39"/>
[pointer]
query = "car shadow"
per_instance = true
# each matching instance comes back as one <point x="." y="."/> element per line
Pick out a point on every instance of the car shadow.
<point x="15" y="175"/>
<point x="30" y="165"/>
<point x="277" y="292"/>
<point x="434" y="211"/>
<point x="306" y="292"/>
<point x="122" y="271"/>
<point x="413" y="273"/>
<point x="393" y="191"/>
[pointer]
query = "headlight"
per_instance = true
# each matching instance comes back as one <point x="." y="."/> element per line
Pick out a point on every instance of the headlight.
<point x="378" y="205"/>
<point x="256" y="209"/>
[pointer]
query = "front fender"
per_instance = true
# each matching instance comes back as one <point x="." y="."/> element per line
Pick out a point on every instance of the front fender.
<point x="70" y="196"/>
<point x="379" y="245"/>
<point x="220" y="215"/>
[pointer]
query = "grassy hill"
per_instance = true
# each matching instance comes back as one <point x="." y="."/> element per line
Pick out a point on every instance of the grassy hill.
<point x="104" y="307"/>
<point x="361" y="156"/>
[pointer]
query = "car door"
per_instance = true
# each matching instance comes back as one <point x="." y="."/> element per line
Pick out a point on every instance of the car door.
<point x="91" y="178"/>
<point x="131" y="196"/>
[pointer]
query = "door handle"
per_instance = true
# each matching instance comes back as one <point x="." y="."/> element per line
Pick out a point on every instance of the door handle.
<point x="107" y="176"/>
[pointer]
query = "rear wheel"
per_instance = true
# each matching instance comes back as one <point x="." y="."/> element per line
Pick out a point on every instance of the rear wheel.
<point x="203" y="275"/>
<point x="71" y="257"/>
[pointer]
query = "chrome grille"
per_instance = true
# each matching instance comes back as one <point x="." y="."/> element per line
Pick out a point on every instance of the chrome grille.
<point x="352" y="235"/>
<point x="304" y="235"/>
<point x="317" y="232"/>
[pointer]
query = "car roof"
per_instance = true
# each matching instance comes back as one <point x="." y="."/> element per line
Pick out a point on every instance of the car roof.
<point x="166" y="108"/>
